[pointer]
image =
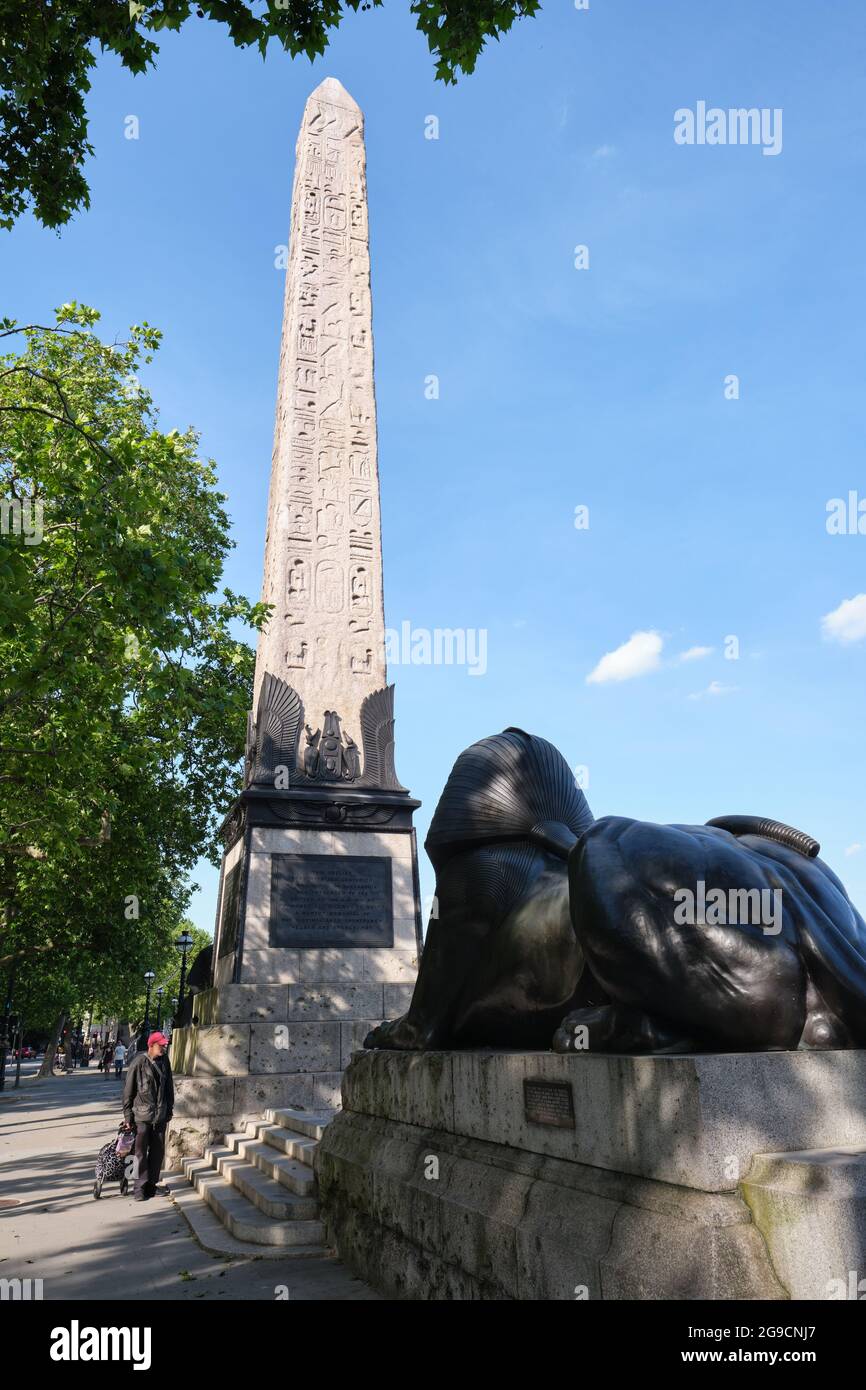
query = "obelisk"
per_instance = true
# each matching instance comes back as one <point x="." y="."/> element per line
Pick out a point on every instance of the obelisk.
<point x="318" y="926"/>
<point x="323" y="552"/>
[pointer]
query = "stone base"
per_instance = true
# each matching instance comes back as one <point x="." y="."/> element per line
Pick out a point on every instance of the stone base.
<point x="284" y="1016"/>
<point x="259" y="1047"/>
<point x="682" y="1178"/>
<point x="811" y="1210"/>
<point x="254" y="944"/>
<point x="208" y="1108"/>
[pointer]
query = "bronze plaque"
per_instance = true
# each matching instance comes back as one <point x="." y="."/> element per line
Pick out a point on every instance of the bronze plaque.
<point x="331" y="900"/>
<point x="549" y="1103"/>
<point x="230" y="915"/>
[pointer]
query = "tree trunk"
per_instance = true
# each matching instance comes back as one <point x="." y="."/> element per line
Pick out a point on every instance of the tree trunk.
<point x="47" y="1068"/>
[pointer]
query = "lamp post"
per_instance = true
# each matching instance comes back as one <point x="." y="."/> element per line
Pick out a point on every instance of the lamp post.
<point x="19" y="1051"/>
<point x="149" y="978"/>
<point x="183" y="943"/>
<point x="159" y="993"/>
<point x="4" y="1026"/>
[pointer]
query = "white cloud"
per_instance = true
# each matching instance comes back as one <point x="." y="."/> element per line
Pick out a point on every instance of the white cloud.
<point x="847" y="623"/>
<point x="714" y="688"/>
<point x="853" y="849"/>
<point x="695" y="654"/>
<point x="604" y="152"/>
<point x="636" y="657"/>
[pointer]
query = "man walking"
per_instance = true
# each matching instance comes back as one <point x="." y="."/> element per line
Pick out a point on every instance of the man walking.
<point x="148" y="1103"/>
<point x="119" y="1058"/>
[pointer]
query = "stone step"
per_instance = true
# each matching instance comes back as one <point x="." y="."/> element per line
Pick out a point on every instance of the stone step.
<point x="244" y="1220"/>
<point x="310" y="1122"/>
<point x="264" y="1192"/>
<point x="288" y="1172"/>
<point x="216" y="1239"/>
<point x="288" y="1141"/>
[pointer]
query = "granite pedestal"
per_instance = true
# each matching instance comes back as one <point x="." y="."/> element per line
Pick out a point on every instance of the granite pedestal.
<point x="284" y="1015"/>
<point x="466" y="1175"/>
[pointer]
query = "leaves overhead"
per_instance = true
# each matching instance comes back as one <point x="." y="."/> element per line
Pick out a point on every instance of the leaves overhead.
<point x="48" y="49"/>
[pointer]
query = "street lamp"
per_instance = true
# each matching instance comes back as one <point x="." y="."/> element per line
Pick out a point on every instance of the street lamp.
<point x="183" y="943"/>
<point x="159" y="993"/>
<point x="149" y="978"/>
<point x="4" y="1026"/>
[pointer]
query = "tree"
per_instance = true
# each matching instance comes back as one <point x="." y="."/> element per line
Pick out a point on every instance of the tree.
<point x="48" y="48"/>
<point x="123" y="691"/>
<point x="130" y="1002"/>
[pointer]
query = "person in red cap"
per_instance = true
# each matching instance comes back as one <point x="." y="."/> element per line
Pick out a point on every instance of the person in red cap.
<point x="148" y="1105"/>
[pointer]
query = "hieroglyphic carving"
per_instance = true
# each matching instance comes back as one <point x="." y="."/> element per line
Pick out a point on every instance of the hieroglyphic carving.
<point x="360" y="589"/>
<point x="296" y="588"/>
<point x="323" y="568"/>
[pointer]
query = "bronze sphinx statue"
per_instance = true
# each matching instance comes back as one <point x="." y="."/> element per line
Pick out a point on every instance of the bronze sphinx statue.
<point x="550" y="928"/>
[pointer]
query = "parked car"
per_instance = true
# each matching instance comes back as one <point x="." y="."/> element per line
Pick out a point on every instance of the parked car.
<point x="25" y="1053"/>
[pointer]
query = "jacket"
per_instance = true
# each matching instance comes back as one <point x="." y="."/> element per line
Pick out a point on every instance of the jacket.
<point x="148" y="1093"/>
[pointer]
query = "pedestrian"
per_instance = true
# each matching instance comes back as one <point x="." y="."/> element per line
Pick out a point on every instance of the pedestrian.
<point x="107" y="1055"/>
<point x="148" y="1103"/>
<point x="119" y="1059"/>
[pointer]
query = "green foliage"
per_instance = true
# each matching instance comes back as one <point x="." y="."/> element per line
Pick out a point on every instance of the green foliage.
<point x="123" y="691"/>
<point x="128" y="1000"/>
<point x="457" y="30"/>
<point x="48" y="48"/>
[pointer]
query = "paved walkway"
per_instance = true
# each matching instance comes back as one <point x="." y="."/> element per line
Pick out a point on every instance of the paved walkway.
<point x="50" y="1133"/>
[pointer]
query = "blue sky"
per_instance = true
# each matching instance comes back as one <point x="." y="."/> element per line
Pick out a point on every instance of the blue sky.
<point x="559" y="387"/>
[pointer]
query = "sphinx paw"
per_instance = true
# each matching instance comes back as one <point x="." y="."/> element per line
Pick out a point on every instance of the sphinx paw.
<point x="398" y="1034"/>
<point x="614" y="1028"/>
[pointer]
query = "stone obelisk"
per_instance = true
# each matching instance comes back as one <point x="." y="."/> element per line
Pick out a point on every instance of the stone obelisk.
<point x="323" y="557"/>
<point x="319" y="918"/>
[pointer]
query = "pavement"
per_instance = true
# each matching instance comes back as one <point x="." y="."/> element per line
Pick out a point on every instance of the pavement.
<point x="115" y="1248"/>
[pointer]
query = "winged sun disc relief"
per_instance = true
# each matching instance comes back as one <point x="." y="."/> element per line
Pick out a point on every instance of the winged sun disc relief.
<point x="330" y="755"/>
